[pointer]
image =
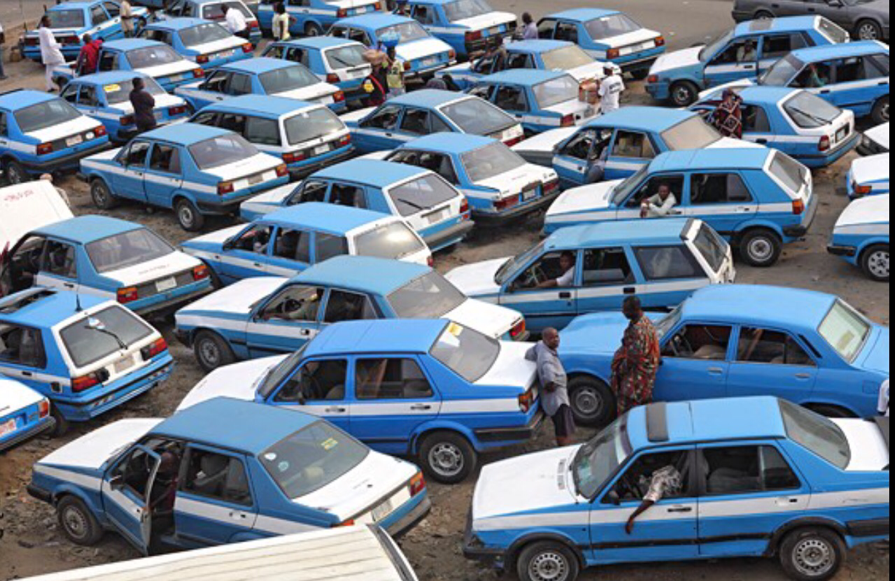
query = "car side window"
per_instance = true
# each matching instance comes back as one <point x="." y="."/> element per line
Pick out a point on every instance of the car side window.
<point x="113" y="9"/>
<point x="710" y="189"/>
<point x="580" y="146"/>
<point x="256" y="239"/>
<point x="298" y="55"/>
<point x="338" y="32"/>
<point x="88" y="97"/>
<point x="391" y="379"/>
<point x="439" y="125"/>
<point x="606" y="267"/>
<point x="316" y="381"/>
<point x="649" y="189"/>
<point x="328" y="246"/>
<point x="877" y="66"/>
<point x="548" y="267"/>
<point x="741" y="51"/>
<point x="567" y="31"/>
<point x="702" y="342"/>
<point x="771" y="347"/>
<point x="108" y="61"/>
<point x="22" y="346"/>
<point x="482" y="92"/>
<point x="60" y="260"/>
<point x="345" y="306"/>
<point x="239" y="85"/>
<point x="262" y="131"/>
<point x="218" y="477"/>
<point x="633" y="144"/>
<point x="755" y="119"/>
<point x="134" y="472"/>
<point x="386" y="118"/>
<point x="664" y="474"/>
<point x="4" y="125"/>
<point x="135" y="155"/>
<point x="746" y="470"/>
<point x="440" y="164"/>
<point x="70" y="93"/>
<point x="207" y="118"/>
<point x="359" y="36"/>
<point x="415" y="121"/>
<point x="668" y="263"/>
<point x="98" y="15"/>
<point x="165" y="159"/>
<point x="275" y="52"/>
<point x="311" y="191"/>
<point x="777" y="46"/>
<point x="519" y="61"/>
<point x="512" y="99"/>
<point x="424" y="14"/>
<point x="216" y="82"/>
<point x="546" y="28"/>
<point x="293" y="245"/>
<point x="814" y="76"/>
<point x="348" y="195"/>
<point x="295" y="303"/>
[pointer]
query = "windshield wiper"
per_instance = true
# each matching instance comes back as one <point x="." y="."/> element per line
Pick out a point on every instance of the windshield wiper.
<point x="820" y="120"/>
<point x="121" y="344"/>
<point x="344" y="62"/>
<point x="411" y="204"/>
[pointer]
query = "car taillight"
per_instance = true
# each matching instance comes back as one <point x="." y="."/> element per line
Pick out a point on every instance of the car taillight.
<point x="201" y="272"/>
<point x="551" y="187"/>
<point x="652" y="79"/>
<point x="452" y="54"/>
<point x="518" y="330"/>
<point x="431" y="261"/>
<point x="202" y="59"/>
<point x="342" y="13"/>
<point x="175" y="111"/>
<point x="43" y="408"/>
<point x="225" y="188"/>
<point x="863" y="191"/>
<point x="473" y="35"/>
<point x="526" y="400"/>
<point x="464" y="206"/>
<point x="83" y="383"/>
<point x="69" y="40"/>
<point x="128" y="295"/>
<point x="198" y="73"/>
<point x="506" y="203"/>
<point x="514" y="141"/>
<point x="825" y="143"/>
<point x="156" y="348"/>
<point x="248" y="47"/>
<point x="253" y="24"/>
<point x="294" y="157"/>
<point x="100" y="131"/>
<point x="568" y="121"/>
<point x="282" y="171"/>
<point x="613" y="53"/>
<point x="339" y="97"/>
<point x="417" y="484"/>
<point x="32" y="41"/>
<point x="347" y="523"/>
<point x="660" y="41"/>
<point x="798" y="207"/>
<point x="345" y="141"/>
<point x="45" y="149"/>
<point x="377" y="6"/>
<point x="333" y="78"/>
<point x="408" y="66"/>
<point x="127" y="120"/>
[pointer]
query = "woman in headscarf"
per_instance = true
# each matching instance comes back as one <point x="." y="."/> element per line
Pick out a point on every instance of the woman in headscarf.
<point x="728" y="117"/>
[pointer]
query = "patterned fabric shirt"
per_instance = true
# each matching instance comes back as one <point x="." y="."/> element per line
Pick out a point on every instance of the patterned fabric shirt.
<point x="665" y="483"/>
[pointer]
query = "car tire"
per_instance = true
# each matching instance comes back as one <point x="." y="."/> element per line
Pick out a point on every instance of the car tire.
<point x="312" y="29"/>
<point x="764" y="15"/>
<point x="640" y="74"/>
<point x="77" y="522"/>
<point x="761" y="248"/>
<point x="15" y="173"/>
<point x="684" y="93"/>
<point x="212" y="351"/>
<point x="547" y="561"/>
<point x="880" y="112"/>
<point x="102" y="196"/>
<point x="62" y="424"/>
<point x="830" y="411"/>
<point x="868" y="30"/>
<point x="812" y="554"/>
<point x="188" y="216"/>
<point x="875" y="262"/>
<point x="447" y="457"/>
<point x="593" y="403"/>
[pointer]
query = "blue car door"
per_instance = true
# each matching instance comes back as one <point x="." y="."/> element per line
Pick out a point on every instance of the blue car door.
<point x="214" y="503"/>
<point x="607" y="278"/>
<point x="59" y="266"/>
<point x="574" y="158"/>
<point x="246" y="254"/>
<point x="750" y="491"/>
<point x="859" y="82"/>
<point x="126" y="493"/>
<point x="695" y="362"/>
<point x="377" y="132"/>
<point x="290" y="253"/>
<point x="721" y="199"/>
<point x="772" y="362"/>
<point x="631" y="150"/>
<point x="131" y="162"/>
<point x="667" y="531"/>
<point x="738" y="60"/>
<point x="164" y="176"/>
<point x="547" y="296"/>
<point x="285" y="322"/>
<point x="318" y="387"/>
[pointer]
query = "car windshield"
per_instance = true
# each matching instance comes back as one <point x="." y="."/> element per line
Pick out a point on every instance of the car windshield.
<point x="555" y="91"/>
<point x="203" y="34"/>
<point x="430" y="296"/>
<point x="406" y="31"/>
<point x="102" y="334"/>
<point x="468" y="353"/>
<point x="816" y="433"/>
<point x="312" y="124"/>
<point x="478" y="117"/>
<point x="312" y="458"/>
<point x="509" y="267"/>
<point x="809" y="111"/>
<point x="610" y="26"/>
<point x="395" y="240"/>
<point x="490" y="161"/>
<point x="713" y="47"/>
<point x="669" y="322"/>
<point x="153" y="56"/>
<point x="121" y="92"/>
<point x="566" y="58"/>
<point x="463" y="9"/>
<point x="280" y="372"/>
<point x="288" y="79"/>
<point x="712" y="247"/>
<point x="66" y="18"/>
<point x="216" y="11"/>
<point x="127" y="249"/>
<point x="346" y="57"/>
<point x="421" y="195"/>
<point x="845" y="330"/>
<point x="627" y="187"/>
<point x="221" y="150"/>
<point x="692" y="133"/>
<point x="835" y="33"/>
<point x="793" y="174"/>
<point x="781" y="72"/>
<point x="599" y="459"/>
<point x="43" y="115"/>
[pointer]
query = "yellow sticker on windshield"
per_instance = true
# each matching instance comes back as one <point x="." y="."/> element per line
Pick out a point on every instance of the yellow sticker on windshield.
<point x="329" y="444"/>
<point x="112" y="88"/>
<point x="455" y="329"/>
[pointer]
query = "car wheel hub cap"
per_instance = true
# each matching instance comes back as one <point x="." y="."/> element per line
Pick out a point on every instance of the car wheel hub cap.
<point x="186" y="215"/>
<point x="549" y="567"/>
<point x="446" y="459"/>
<point x="75" y="523"/>
<point x="14" y="177"/>
<point x="761" y="249"/>
<point x="682" y="94"/>
<point x="814" y="558"/>
<point x="868" y="32"/>
<point x="588" y="401"/>
<point x="879" y="264"/>
<point x="210" y="353"/>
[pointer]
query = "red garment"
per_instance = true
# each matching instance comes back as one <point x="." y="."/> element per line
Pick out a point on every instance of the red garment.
<point x="636" y="365"/>
<point x="88" y="59"/>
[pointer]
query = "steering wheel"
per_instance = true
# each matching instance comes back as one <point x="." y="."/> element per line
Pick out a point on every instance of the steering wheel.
<point x="628" y="489"/>
<point x="311" y="384"/>
<point x="680" y="344"/>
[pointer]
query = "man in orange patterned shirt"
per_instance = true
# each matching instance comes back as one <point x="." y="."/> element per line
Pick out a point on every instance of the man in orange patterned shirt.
<point x="636" y="363"/>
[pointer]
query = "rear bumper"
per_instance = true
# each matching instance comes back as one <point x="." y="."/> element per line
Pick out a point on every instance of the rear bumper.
<point x="498" y="219"/>
<point x="800" y="230"/>
<point x="159" y="305"/>
<point x="449" y="236"/>
<point x="67" y="162"/>
<point x="302" y="170"/>
<point x="415" y="512"/>
<point x="830" y="157"/>
<point x="37" y="429"/>
<point x="508" y="436"/>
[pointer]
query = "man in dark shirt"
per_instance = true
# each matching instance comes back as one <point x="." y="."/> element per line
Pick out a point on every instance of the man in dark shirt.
<point x="144" y="107"/>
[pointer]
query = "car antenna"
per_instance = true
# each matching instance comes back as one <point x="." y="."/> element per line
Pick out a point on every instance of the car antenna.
<point x="78" y="307"/>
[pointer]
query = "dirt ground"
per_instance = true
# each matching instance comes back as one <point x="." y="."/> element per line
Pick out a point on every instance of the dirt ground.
<point x="32" y="544"/>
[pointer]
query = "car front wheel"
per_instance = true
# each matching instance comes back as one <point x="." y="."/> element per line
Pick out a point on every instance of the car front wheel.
<point x="212" y="351"/>
<point x="102" y="195"/>
<point x="812" y="554"/>
<point x="593" y="403"/>
<point x="875" y="262"/>
<point x="880" y="112"/>
<point x="761" y="248"/>
<point x="447" y="457"/>
<point x="77" y="522"/>
<point x="547" y="561"/>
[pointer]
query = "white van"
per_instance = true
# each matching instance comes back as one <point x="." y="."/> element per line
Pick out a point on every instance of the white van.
<point x="345" y="554"/>
<point x="26" y="207"/>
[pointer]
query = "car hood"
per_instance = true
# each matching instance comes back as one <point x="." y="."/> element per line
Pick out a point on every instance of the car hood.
<point x="512" y="369"/>
<point x="476" y="280"/>
<point x="92" y="451"/>
<point x="524" y="486"/>
<point x="27" y="207"/>
<point x="583" y="199"/>
<point x="15" y="396"/>
<point x="214" y="239"/>
<point x="237" y="299"/>
<point x="237" y="381"/>
<point x="491" y="320"/>
<point x="877" y="356"/>
<point x="426" y="47"/>
<point x="161" y="267"/>
<point x="486" y="20"/>
<point x="871" y="169"/>
<point x="880" y="133"/>
<point x="597" y="334"/>
<point x="514" y="182"/>
<point x="545" y="143"/>
<point x="678" y="59"/>
<point x="869" y="452"/>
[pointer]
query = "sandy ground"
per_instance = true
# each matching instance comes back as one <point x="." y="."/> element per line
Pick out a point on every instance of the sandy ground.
<point x="33" y="545"/>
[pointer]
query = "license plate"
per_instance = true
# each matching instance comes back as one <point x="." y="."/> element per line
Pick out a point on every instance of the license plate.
<point x="382" y="511"/>
<point x="7" y="428"/>
<point x="225" y="55"/>
<point x="321" y="150"/>
<point x="529" y="194"/>
<point x="166" y="285"/>
<point x="177" y="78"/>
<point x="123" y="366"/>
<point x="159" y="115"/>
<point x="430" y="62"/>
<point x="255" y="180"/>
<point x="73" y="141"/>
<point x="843" y="133"/>
<point x="494" y="31"/>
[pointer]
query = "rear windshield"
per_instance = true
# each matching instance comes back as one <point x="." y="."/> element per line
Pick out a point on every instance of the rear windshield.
<point x="468" y="353"/>
<point x="816" y="433"/>
<point x="102" y="334"/>
<point x="566" y="58"/>
<point x="66" y="18"/>
<point x="833" y="32"/>
<point x="781" y="72"/>
<point x="406" y="31"/>
<point x="312" y="458"/>
<point x="421" y="195"/>
<point x="789" y="171"/>
<point x="845" y="330"/>
<point x="395" y="240"/>
<point x="612" y="25"/>
<point x="491" y="161"/>
<point x="221" y="150"/>
<point x="693" y="133"/>
<point x="128" y="249"/>
<point x="121" y="92"/>
<point x="43" y="115"/>
<point x="288" y="79"/>
<point x="463" y="9"/>
<point x="712" y="247"/>
<point x="810" y="111"/>
<point x="215" y="12"/>
<point x="556" y="91"/>
<point x="478" y="117"/>
<point x="313" y="124"/>
<point x="346" y="57"/>
<point x="429" y="297"/>
<point x="154" y="56"/>
<point x="204" y="33"/>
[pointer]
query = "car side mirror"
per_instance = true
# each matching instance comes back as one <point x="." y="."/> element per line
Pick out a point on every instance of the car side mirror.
<point x="614" y="498"/>
<point x="117" y="482"/>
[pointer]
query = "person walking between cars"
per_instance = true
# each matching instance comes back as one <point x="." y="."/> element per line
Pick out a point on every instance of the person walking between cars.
<point x="236" y="22"/>
<point x="50" y="52"/>
<point x="395" y="75"/>
<point x="3" y="76"/>
<point x="529" y="29"/>
<point x="610" y="90"/>
<point x="127" y="18"/>
<point x="636" y="363"/>
<point x="282" y="22"/>
<point x="88" y="57"/>
<point x="554" y="386"/>
<point x="728" y="117"/>
<point x="144" y="107"/>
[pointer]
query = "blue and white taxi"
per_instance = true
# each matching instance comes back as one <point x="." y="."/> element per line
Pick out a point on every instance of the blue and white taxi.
<point x="306" y="136"/>
<point x="608" y="36"/>
<point x="41" y="133"/>
<point x="213" y="11"/>
<point x="467" y="25"/>
<point x="429" y="111"/>
<point x="875" y="140"/>
<point x="798" y="123"/>
<point x="861" y="236"/>
<point x="208" y="44"/>
<point x="760" y="477"/>
<point x="195" y="170"/>
<point x="87" y="354"/>
<point x="286" y="242"/>
<point x="312" y="18"/>
<point x="422" y="53"/>
<point x="868" y="176"/>
<point x="432" y="390"/>
<point x="586" y="269"/>
<point x="758" y="198"/>
<point x="106" y="97"/>
<point x="266" y="316"/>
<point x="337" y="61"/>
<point x="262" y="76"/>
<point x="744" y="52"/>
<point x="71" y="21"/>
<point x="108" y="258"/>
<point x="24" y="414"/>
<point x="247" y="472"/>
<point x="542" y="100"/>
<point x="498" y="183"/>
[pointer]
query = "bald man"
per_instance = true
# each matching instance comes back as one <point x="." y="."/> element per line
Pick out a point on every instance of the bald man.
<point x="554" y="386"/>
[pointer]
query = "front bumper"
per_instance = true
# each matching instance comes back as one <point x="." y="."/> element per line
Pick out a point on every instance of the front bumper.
<point x="449" y="236"/>
<point x="660" y="91"/>
<point x="45" y="425"/>
<point x="508" y="436"/>
<point x="844" y="251"/>
<point x="40" y="494"/>
<point x="475" y="550"/>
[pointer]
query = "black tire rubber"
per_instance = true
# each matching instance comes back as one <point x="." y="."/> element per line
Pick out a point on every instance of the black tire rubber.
<point x="101" y="195"/>
<point x="72" y="509"/>
<point x="880" y="112"/>
<point x="62" y="425"/>
<point x="181" y="207"/>
<point x="867" y="258"/>
<point x="581" y="389"/>
<point x="552" y="550"/>
<point x="640" y="74"/>
<point x="214" y="341"/>
<point x="14" y="168"/>
<point x="764" y="15"/>
<point x="691" y="89"/>
<point x="830" y="411"/>
<point x="753" y="236"/>
<point x="794" y="542"/>
<point x="460" y="444"/>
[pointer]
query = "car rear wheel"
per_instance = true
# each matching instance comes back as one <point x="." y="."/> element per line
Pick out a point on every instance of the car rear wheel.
<point x="547" y="561"/>
<point x="875" y="262"/>
<point x="102" y="195"/>
<point x="62" y="424"/>
<point x="188" y="216"/>
<point x="880" y="112"/>
<point x="812" y="554"/>
<point x="15" y="173"/>
<point x="868" y="30"/>
<point x="447" y="457"/>
<point x="313" y="29"/>
<point x="761" y="248"/>
<point x="78" y="522"/>
<point x="212" y="351"/>
<point x="684" y="93"/>
<point x="593" y="403"/>
<point x="764" y="15"/>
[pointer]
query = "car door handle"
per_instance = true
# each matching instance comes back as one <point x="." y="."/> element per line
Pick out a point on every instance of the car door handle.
<point x="565" y="295"/>
<point x="803" y="376"/>
<point x="389" y="135"/>
<point x="239" y="516"/>
<point x="259" y="265"/>
<point x="138" y="174"/>
<point x="680" y="509"/>
<point x="68" y="285"/>
<point x="336" y="410"/>
<point x="787" y="501"/>
<point x="630" y="290"/>
<point x="27" y="374"/>
<point x="825" y="92"/>
<point x="761" y="141"/>
<point x="716" y="371"/>
<point x="421" y="407"/>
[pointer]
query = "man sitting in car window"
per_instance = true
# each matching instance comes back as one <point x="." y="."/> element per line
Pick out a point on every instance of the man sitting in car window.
<point x="666" y="482"/>
<point x="567" y="265"/>
<point x="660" y="205"/>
